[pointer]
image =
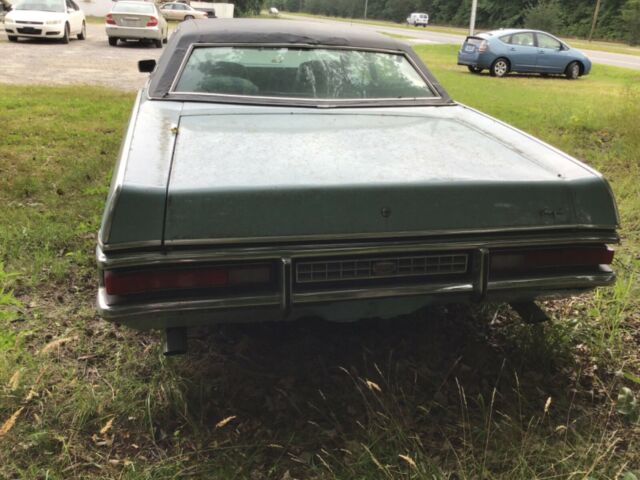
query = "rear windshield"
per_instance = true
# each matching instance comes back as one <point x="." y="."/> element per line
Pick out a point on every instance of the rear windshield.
<point x="474" y="40"/>
<point x="138" y="7"/>
<point x="285" y="72"/>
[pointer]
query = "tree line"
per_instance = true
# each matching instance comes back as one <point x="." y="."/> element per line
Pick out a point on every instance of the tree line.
<point x="617" y="19"/>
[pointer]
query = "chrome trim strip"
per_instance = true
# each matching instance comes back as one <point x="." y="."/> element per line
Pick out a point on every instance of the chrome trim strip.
<point x="118" y="181"/>
<point x="178" y="306"/>
<point x="582" y="281"/>
<point x="365" y="236"/>
<point x="364" y="293"/>
<point x="310" y="102"/>
<point x="249" y="252"/>
<point x="285" y="284"/>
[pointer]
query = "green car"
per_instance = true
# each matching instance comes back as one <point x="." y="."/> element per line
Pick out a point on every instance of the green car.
<point x="275" y="170"/>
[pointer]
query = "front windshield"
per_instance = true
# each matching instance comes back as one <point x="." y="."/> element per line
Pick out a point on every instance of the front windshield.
<point x="41" y="5"/>
<point x="293" y="72"/>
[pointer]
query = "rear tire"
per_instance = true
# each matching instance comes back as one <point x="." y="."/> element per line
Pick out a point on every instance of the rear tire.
<point x="113" y="41"/>
<point x="65" y="38"/>
<point x="83" y="32"/>
<point x="188" y="17"/>
<point x="473" y="69"/>
<point x="165" y="40"/>
<point x="12" y="38"/>
<point x="158" y="43"/>
<point x="572" y="71"/>
<point x="499" y="68"/>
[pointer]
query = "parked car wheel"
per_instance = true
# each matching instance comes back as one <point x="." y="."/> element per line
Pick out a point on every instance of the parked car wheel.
<point x="473" y="69"/>
<point x="13" y="38"/>
<point x="573" y="71"/>
<point x="83" y="33"/>
<point x="165" y="39"/>
<point x="188" y="17"/>
<point x="500" y="67"/>
<point x="113" y="41"/>
<point x="65" y="38"/>
<point x="158" y="43"/>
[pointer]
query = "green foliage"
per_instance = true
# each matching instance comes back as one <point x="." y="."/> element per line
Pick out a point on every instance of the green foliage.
<point x="546" y="15"/>
<point x="631" y="19"/>
<point x="628" y="405"/>
<point x="566" y="17"/>
<point x="246" y="8"/>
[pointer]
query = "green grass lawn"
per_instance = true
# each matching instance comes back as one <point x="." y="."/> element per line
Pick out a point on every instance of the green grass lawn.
<point x="453" y="393"/>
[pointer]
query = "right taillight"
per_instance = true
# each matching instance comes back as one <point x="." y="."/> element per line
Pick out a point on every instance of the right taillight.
<point x="153" y="21"/>
<point x="483" y="47"/>
<point x="109" y="19"/>
<point x="532" y="259"/>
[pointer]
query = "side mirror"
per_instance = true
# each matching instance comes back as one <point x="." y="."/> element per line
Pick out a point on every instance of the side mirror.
<point x="146" y="66"/>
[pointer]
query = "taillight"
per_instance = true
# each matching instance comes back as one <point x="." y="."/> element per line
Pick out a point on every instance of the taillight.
<point x="521" y="260"/>
<point x="153" y="21"/>
<point x="109" y="19"/>
<point x="484" y="46"/>
<point x="191" y="278"/>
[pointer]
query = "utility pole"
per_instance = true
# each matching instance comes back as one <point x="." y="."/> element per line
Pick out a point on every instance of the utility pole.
<point x="472" y="22"/>
<point x="366" y="4"/>
<point x="595" y="19"/>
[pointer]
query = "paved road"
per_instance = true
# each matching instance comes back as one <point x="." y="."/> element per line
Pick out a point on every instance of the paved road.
<point x="424" y="35"/>
<point x="91" y="62"/>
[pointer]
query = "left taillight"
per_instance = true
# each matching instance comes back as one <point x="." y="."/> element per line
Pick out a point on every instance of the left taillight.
<point x="109" y="19"/>
<point x="537" y="259"/>
<point x="483" y="47"/>
<point x="132" y="282"/>
<point x="153" y="21"/>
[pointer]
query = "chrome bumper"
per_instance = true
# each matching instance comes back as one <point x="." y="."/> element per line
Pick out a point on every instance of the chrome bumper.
<point x="290" y="302"/>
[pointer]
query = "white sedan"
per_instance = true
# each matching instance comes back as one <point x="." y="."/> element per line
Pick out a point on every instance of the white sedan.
<point x="45" y="19"/>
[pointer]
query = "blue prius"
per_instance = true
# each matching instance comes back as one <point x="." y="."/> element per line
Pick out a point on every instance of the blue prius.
<point x="525" y="51"/>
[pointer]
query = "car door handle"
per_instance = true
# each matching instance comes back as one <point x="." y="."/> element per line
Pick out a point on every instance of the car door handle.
<point x="512" y="49"/>
<point x="541" y="51"/>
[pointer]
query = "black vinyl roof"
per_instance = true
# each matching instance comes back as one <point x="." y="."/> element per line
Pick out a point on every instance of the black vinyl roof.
<point x="270" y="31"/>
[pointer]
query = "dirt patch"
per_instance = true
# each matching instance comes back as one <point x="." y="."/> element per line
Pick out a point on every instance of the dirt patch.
<point x="88" y="62"/>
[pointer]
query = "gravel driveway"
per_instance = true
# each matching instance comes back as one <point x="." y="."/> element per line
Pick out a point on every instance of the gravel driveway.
<point x="88" y="62"/>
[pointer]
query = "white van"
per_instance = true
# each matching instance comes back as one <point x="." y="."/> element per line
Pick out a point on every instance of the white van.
<point x="418" y="19"/>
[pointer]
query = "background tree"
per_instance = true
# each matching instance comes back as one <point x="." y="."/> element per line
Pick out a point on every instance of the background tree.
<point x="546" y="15"/>
<point x="245" y="8"/>
<point x="631" y="20"/>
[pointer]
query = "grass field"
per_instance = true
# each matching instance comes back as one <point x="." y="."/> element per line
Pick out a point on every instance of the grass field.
<point x="452" y="393"/>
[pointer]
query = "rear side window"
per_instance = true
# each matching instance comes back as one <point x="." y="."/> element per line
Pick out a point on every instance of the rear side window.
<point x="505" y="38"/>
<point x="292" y="72"/>
<point x="524" y="39"/>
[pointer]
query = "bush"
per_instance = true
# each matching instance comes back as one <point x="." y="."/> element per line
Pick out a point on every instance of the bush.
<point x="631" y="18"/>
<point x="546" y="15"/>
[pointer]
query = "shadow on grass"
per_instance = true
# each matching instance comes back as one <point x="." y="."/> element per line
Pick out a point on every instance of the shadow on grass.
<point x="344" y="397"/>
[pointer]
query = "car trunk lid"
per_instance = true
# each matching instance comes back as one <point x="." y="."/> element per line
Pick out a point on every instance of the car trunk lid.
<point x="299" y="175"/>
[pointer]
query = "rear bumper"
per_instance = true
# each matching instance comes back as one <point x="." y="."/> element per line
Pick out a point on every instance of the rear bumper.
<point x="151" y="33"/>
<point x="480" y="60"/>
<point x="290" y="301"/>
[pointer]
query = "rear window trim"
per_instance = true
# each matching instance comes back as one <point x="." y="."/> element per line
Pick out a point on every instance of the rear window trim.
<point x="264" y="100"/>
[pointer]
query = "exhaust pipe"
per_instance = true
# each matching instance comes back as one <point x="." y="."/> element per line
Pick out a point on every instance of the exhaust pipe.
<point x="530" y="312"/>
<point x="175" y="342"/>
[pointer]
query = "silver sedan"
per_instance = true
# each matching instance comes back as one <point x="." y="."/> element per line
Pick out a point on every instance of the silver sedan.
<point x="136" y="21"/>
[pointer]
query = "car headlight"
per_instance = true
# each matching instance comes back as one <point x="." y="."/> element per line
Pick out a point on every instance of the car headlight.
<point x="54" y="22"/>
